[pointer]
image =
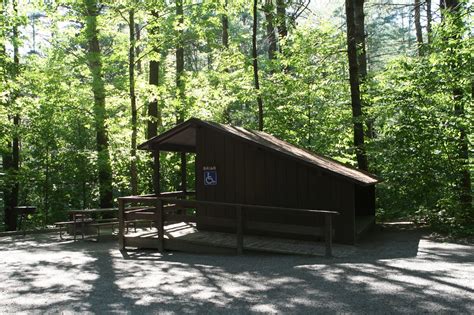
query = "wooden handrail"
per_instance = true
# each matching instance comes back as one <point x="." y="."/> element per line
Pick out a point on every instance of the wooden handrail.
<point x="177" y="193"/>
<point x="191" y="203"/>
<point x="185" y="202"/>
<point x="159" y="203"/>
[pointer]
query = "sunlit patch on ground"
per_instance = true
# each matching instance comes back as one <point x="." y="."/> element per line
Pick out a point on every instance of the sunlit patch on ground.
<point x="389" y="272"/>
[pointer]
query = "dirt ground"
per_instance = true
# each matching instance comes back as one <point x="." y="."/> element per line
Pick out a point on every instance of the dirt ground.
<point x="390" y="271"/>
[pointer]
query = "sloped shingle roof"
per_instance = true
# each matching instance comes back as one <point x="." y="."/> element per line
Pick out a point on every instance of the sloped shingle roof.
<point x="268" y="141"/>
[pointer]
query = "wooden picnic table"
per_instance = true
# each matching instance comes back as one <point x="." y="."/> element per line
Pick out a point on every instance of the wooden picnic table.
<point x="82" y="213"/>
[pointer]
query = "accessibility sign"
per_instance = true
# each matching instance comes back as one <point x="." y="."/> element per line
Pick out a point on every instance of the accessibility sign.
<point x="210" y="178"/>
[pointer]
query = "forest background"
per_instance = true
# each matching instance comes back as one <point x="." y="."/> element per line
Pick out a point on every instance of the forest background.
<point x="383" y="85"/>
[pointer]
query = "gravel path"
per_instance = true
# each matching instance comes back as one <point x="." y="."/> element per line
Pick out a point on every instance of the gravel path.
<point x="389" y="272"/>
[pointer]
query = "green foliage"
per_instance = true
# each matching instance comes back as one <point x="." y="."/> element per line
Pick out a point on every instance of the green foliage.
<point x="305" y="95"/>
<point x="416" y="151"/>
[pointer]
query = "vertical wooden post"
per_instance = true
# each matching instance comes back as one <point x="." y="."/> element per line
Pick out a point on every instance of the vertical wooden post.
<point x="240" y="234"/>
<point x="74" y="225"/>
<point x="156" y="172"/>
<point x="160" y="225"/>
<point x="328" y="234"/>
<point x="184" y="184"/>
<point x="82" y="225"/>
<point x="121" y="218"/>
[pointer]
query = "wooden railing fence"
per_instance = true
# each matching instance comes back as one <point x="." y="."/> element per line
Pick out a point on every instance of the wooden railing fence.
<point x="156" y="209"/>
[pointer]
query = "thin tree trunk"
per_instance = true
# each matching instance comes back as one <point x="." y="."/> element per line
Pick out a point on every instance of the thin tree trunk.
<point x="453" y="7"/>
<point x="16" y="117"/>
<point x="154" y="115"/>
<point x="419" y="34"/>
<point x="11" y="159"/>
<point x="94" y="62"/>
<point x="138" y="50"/>
<point x="46" y="182"/>
<point x="429" y="20"/>
<point x="153" y="112"/>
<point x="281" y="19"/>
<point x="359" y="29"/>
<point x="180" y="84"/>
<point x="6" y="154"/>
<point x="225" y="26"/>
<point x="209" y="54"/>
<point x="272" y="41"/>
<point x="180" y="61"/>
<point x="133" y="102"/>
<point x="442" y="5"/>
<point x="255" y="66"/>
<point x="355" y="88"/>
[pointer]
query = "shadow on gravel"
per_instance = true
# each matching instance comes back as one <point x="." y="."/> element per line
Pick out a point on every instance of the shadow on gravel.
<point x="391" y="271"/>
<point x="364" y="282"/>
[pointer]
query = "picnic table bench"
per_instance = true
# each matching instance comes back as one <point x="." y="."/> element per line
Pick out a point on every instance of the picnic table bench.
<point x="82" y="219"/>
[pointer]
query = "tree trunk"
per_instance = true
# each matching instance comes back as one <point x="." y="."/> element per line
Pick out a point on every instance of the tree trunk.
<point x="429" y="20"/>
<point x="180" y="84"/>
<point x="225" y="27"/>
<point x="11" y="159"/>
<point x="133" y="102"/>
<point x="359" y="29"/>
<point x="281" y="19"/>
<point x="46" y="182"/>
<point x="419" y="34"/>
<point x="272" y="42"/>
<point x="138" y="50"/>
<point x="355" y="88"/>
<point x="453" y="7"/>
<point x="255" y="66"/>
<point x="94" y="62"/>
<point x="180" y="61"/>
<point x="154" y="114"/>
<point x="442" y="5"/>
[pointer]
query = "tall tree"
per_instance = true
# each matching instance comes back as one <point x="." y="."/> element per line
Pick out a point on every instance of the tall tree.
<point x="419" y="34"/>
<point x="359" y="29"/>
<point x="355" y="87"/>
<point x="180" y="82"/>
<point x="225" y="26"/>
<point x="138" y="31"/>
<point x="153" y="112"/>
<point x="11" y="158"/>
<point x="94" y="62"/>
<point x="269" y="9"/>
<point x="133" y="101"/>
<point x="429" y="20"/>
<point x="255" y="66"/>
<point x="360" y="39"/>
<point x="453" y="8"/>
<point x="281" y="18"/>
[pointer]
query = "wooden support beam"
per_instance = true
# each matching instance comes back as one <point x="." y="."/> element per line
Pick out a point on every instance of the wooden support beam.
<point x="184" y="183"/>
<point x="328" y="234"/>
<point x="160" y="225"/>
<point x="240" y="229"/>
<point x="121" y="235"/>
<point x="156" y="172"/>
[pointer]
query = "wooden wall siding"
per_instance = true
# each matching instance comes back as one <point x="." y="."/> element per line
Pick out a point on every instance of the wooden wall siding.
<point x="345" y="221"/>
<point x="364" y="200"/>
<point x="247" y="174"/>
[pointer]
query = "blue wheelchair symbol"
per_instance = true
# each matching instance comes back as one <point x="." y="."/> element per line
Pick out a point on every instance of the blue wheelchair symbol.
<point x="210" y="178"/>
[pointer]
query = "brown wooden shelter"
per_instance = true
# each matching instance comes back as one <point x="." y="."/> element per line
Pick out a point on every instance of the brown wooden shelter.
<point x="238" y="166"/>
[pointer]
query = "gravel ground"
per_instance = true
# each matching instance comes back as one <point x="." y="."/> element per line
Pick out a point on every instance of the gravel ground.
<point x="388" y="272"/>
